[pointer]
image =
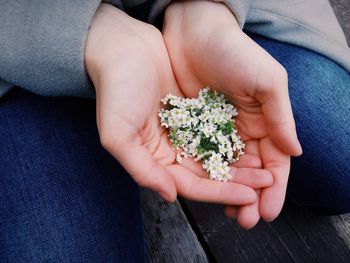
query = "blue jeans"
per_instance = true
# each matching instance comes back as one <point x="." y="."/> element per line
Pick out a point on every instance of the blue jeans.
<point x="64" y="199"/>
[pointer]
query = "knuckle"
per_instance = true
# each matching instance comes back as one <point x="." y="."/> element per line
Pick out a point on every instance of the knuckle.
<point x="191" y="188"/>
<point x="105" y="138"/>
<point x="284" y="73"/>
<point x="141" y="181"/>
<point x="144" y="178"/>
<point x="278" y="78"/>
<point x="153" y="32"/>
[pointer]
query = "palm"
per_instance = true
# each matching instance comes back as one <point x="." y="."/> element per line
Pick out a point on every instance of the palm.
<point x="230" y="62"/>
<point x="137" y="140"/>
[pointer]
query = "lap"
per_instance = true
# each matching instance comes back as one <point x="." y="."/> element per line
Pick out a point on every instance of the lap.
<point x="320" y="95"/>
<point x="62" y="197"/>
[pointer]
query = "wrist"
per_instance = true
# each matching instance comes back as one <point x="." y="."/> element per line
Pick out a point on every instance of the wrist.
<point x="116" y="39"/>
<point x="95" y="53"/>
<point x="202" y="11"/>
<point x="107" y="39"/>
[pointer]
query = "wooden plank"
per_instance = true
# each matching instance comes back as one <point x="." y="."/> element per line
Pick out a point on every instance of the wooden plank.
<point x="342" y="224"/>
<point x="228" y="242"/>
<point x="168" y="235"/>
<point x="342" y="11"/>
<point x="319" y="234"/>
<point x="296" y="236"/>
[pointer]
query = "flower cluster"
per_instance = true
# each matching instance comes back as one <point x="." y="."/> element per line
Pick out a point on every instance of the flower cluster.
<point x="204" y="128"/>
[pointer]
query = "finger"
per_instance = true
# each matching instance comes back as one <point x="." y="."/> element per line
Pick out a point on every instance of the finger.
<point x="148" y="173"/>
<point x="277" y="110"/>
<point x="248" y="160"/>
<point x="267" y="83"/>
<point x="231" y="211"/>
<point x="278" y="163"/>
<point x="138" y="162"/>
<point x="252" y="147"/>
<point x="248" y="216"/>
<point x="252" y="177"/>
<point x="251" y="157"/>
<point x="195" y="167"/>
<point x="196" y="188"/>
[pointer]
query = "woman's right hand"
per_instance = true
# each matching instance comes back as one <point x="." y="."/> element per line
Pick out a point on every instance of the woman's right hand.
<point x="207" y="47"/>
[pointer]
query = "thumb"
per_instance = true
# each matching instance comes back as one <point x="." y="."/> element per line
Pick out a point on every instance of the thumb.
<point x="147" y="172"/>
<point x="277" y="111"/>
<point x="260" y="76"/>
<point x="138" y="162"/>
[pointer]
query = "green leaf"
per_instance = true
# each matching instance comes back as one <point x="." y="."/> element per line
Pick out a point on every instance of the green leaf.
<point x="227" y="128"/>
<point x="206" y="145"/>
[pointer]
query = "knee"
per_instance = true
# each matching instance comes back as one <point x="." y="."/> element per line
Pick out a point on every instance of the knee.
<point x="320" y="183"/>
<point x="320" y="98"/>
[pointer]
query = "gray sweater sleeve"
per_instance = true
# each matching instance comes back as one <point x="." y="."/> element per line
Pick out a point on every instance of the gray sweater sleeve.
<point x="311" y="24"/>
<point x="42" y="46"/>
<point x="238" y="7"/>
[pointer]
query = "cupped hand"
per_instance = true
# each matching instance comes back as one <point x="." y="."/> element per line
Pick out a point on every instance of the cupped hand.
<point x="207" y="47"/>
<point x="131" y="71"/>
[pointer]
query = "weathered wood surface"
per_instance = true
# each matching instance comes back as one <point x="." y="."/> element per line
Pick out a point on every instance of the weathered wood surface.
<point x="342" y="11"/>
<point x="295" y="236"/>
<point x="168" y="235"/>
<point x="342" y="224"/>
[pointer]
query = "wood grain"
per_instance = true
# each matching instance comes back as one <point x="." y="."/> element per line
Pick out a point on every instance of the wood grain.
<point x="342" y="224"/>
<point x="296" y="236"/>
<point x="168" y="235"/>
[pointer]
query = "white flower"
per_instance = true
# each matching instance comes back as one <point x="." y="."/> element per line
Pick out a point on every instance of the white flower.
<point x="208" y="129"/>
<point x="205" y="115"/>
<point x="178" y="158"/>
<point x="191" y="148"/>
<point x="217" y="168"/>
<point x="223" y="149"/>
<point x="199" y="129"/>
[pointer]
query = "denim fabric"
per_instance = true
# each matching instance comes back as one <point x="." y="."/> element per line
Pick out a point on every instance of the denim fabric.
<point x="62" y="197"/>
<point x="320" y="94"/>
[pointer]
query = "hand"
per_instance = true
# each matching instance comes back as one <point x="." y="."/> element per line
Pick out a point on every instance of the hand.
<point x="130" y="68"/>
<point x="207" y="47"/>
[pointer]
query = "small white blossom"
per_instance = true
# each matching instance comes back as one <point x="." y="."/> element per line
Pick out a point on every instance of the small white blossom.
<point x="178" y="158"/>
<point x="208" y="128"/>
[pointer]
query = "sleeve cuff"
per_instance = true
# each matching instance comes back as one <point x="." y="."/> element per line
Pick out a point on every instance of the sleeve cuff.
<point x="239" y="8"/>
